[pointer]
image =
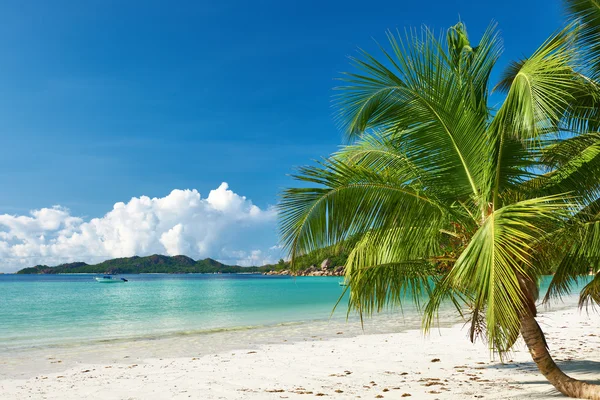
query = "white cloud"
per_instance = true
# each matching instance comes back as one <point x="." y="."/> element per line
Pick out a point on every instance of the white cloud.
<point x="254" y="257"/>
<point x="223" y="225"/>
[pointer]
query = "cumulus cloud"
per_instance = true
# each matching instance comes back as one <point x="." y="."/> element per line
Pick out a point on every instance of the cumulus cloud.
<point x="223" y="225"/>
<point x="253" y="257"/>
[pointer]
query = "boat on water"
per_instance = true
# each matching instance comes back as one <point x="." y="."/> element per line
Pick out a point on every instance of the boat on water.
<point x="342" y="283"/>
<point x="110" y="279"/>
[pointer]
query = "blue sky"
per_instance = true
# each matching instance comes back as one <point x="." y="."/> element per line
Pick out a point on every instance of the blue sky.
<point x="103" y="101"/>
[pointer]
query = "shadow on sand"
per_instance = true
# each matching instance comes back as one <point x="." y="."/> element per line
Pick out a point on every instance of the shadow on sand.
<point x="588" y="371"/>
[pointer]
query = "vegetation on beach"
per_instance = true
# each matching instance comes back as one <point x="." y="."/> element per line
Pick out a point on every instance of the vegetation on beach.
<point x="438" y="182"/>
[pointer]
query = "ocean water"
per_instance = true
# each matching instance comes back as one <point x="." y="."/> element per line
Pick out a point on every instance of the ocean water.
<point x="175" y="315"/>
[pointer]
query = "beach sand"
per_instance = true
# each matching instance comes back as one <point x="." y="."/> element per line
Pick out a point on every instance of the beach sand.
<point x="443" y="365"/>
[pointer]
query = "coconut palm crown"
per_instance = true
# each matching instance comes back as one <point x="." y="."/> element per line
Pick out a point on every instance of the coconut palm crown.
<point x="458" y="199"/>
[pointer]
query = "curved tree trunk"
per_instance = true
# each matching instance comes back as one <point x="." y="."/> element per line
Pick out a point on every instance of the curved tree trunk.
<point x="536" y="342"/>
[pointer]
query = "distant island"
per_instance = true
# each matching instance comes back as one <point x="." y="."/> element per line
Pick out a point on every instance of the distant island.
<point x="324" y="262"/>
<point x="137" y="265"/>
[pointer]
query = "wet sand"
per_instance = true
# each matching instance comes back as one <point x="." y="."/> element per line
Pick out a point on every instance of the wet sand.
<point x="443" y="365"/>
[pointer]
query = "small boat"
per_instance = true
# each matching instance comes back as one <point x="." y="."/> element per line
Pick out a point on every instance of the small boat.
<point x="109" y="279"/>
<point x="342" y="283"/>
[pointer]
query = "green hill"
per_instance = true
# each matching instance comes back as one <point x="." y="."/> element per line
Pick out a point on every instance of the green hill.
<point x="136" y="265"/>
<point x="182" y="264"/>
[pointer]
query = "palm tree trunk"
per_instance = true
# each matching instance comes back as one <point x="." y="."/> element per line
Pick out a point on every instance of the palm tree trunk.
<point x="536" y="342"/>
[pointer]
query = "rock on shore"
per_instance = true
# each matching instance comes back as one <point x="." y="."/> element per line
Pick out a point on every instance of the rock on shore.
<point x="326" y="269"/>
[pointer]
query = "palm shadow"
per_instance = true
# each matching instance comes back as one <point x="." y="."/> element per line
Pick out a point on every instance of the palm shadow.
<point x="582" y="369"/>
<point x="588" y="371"/>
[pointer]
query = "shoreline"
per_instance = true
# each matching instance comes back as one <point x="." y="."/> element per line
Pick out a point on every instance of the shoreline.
<point x="443" y="365"/>
<point x="30" y="360"/>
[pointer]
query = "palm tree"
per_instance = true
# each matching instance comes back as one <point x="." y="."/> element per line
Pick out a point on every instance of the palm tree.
<point x="458" y="200"/>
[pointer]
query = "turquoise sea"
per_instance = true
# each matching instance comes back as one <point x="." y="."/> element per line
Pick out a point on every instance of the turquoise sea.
<point x="170" y="315"/>
<point x="55" y="309"/>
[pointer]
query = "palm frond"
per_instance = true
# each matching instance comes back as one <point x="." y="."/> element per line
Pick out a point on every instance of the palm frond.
<point x="422" y="99"/>
<point x="474" y="63"/>
<point x="590" y="294"/>
<point x="389" y="267"/>
<point x="574" y="165"/>
<point x="498" y="256"/>
<point x="586" y="13"/>
<point x="578" y="247"/>
<point x="351" y="199"/>
<point x="372" y="288"/>
<point x="539" y="89"/>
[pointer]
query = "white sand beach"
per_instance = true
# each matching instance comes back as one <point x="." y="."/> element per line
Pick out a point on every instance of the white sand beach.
<point x="444" y="365"/>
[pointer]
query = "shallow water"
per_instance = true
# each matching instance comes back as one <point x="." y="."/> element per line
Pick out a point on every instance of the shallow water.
<point x="74" y="318"/>
<point x="40" y="310"/>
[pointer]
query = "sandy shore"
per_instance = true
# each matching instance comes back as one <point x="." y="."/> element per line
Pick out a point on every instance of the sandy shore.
<point x="444" y="365"/>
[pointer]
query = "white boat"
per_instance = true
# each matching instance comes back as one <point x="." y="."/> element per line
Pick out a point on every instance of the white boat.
<point x="109" y="279"/>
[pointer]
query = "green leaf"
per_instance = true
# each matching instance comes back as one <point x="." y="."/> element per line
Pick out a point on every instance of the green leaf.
<point x="495" y="263"/>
